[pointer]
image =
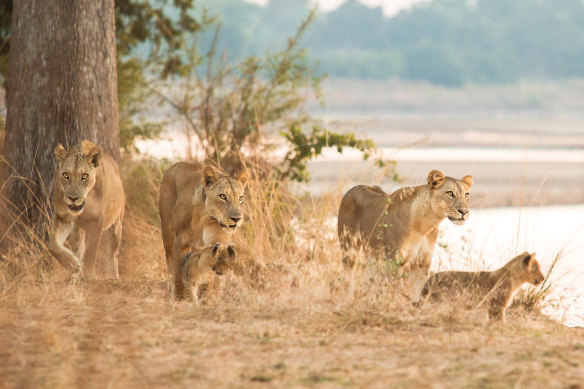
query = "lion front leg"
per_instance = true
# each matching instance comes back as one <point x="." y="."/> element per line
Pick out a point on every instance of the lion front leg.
<point x="93" y="234"/>
<point x="419" y="275"/>
<point x="59" y="232"/>
<point x="174" y="270"/>
<point x="114" y="234"/>
<point x="77" y="240"/>
<point x="417" y="278"/>
<point x="168" y="239"/>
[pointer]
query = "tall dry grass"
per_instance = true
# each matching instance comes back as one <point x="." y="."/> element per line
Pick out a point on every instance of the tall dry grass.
<point x="312" y="323"/>
<point x="295" y="236"/>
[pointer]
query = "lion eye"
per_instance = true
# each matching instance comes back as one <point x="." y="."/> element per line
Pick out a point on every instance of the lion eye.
<point x="241" y="198"/>
<point x="450" y="194"/>
<point x="467" y="196"/>
<point x="223" y="197"/>
<point x="84" y="176"/>
<point x="66" y="176"/>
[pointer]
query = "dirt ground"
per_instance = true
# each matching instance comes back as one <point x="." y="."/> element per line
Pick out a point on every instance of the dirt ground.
<point x="128" y="334"/>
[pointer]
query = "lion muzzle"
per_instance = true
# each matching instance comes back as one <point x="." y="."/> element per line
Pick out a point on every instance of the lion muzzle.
<point x="463" y="216"/>
<point x="74" y="203"/>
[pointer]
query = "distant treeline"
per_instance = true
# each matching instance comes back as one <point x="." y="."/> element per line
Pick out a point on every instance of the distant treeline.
<point x="447" y="42"/>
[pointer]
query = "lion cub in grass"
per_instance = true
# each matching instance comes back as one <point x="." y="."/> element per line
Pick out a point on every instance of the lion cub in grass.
<point x="196" y="268"/>
<point x="495" y="288"/>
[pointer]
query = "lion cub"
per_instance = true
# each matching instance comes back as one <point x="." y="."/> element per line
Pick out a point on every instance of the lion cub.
<point x="495" y="288"/>
<point x="196" y="267"/>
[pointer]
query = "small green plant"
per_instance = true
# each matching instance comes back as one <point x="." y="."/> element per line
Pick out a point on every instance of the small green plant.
<point x="393" y="264"/>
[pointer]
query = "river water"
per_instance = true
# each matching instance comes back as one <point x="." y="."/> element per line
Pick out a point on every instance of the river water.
<point x="492" y="236"/>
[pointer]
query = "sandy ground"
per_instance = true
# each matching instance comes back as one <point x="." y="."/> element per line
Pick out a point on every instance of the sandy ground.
<point x="128" y="335"/>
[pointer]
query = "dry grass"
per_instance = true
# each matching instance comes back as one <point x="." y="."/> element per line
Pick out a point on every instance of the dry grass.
<point x="328" y="329"/>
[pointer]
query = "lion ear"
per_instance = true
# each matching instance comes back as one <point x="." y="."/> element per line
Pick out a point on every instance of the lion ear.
<point x="60" y="152"/>
<point x="93" y="152"/>
<point x="468" y="181"/>
<point x="216" y="248"/>
<point x="243" y="177"/>
<point x="435" y="179"/>
<point x="209" y="175"/>
<point x="230" y="250"/>
<point x="527" y="259"/>
<point x="86" y="146"/>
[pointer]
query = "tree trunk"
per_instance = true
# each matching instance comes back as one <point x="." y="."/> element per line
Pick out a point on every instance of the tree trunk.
<point x="62" y="88"/>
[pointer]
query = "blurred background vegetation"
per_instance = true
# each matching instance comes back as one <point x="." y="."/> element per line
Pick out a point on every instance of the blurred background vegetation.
<point x="232" y="69"/>
<point x="447" y="42"/>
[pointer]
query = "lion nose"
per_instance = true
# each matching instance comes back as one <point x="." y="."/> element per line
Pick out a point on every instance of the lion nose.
<point x="236" y="219"/>
<point x="73" y="199"/>
<point x="463" y="212"/>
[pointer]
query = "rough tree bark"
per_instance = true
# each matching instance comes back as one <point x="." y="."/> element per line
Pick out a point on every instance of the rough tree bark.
<point x="62" y="88"/>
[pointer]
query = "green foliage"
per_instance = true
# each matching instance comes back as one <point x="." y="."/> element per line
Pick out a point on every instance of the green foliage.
<point x="304" y="147"/>
<point x="230" y="108"/>
<point x="132" y="97"/>
<point x="149" y="32"/>
<point x="158" y="29"/>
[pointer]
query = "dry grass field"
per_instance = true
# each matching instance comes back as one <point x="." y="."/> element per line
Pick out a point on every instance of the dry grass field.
<point x="312" y="325"/>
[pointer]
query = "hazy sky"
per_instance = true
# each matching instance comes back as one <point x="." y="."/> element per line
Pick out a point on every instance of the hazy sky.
<point x="390" y="7"/>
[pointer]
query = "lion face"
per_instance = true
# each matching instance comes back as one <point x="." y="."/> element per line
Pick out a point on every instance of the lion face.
<point x="450" y="196"/>
<point x="76" y="173"/>
<point x="225" y="259"/>
<point x="534" y="274"/>
<point x="224" y="197"/>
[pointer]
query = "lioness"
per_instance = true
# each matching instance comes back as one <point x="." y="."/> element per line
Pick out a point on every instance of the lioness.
<point x="199" y="205"/>
<point x="88" y="199"/>
<point x="495" y="288"/>
<point x="196" y="267"/>
<point x="402" y="226"/>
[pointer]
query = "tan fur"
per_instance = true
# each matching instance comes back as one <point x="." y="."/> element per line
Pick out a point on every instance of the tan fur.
<point x="199" y="205"/>
<point x="198" y="268"/>
<point x="402" y="226"/>
<point x="259" y="275"/>
<point x="88" y="200"/>
<point x="245" y="266"/>
<point x="494" y="288"/>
